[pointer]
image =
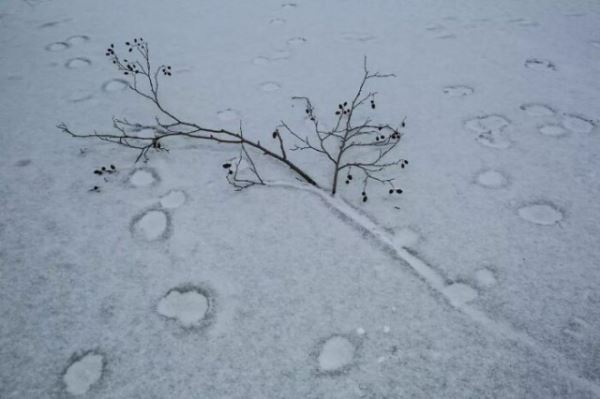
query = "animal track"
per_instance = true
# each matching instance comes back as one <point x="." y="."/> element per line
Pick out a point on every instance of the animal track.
<point x="77" y="39"/>
<point x="540" y="213"/>
<point x="459" y="293"/>
<point x="57" y="46"/>
<point x="357" y="37"/>
<point x="490" y="130"/>
<point x="79" y="62"/>
<point x="336" y="355"/>
<point x="173" y="199"/>
<point x="533" y="109"/>
<point x="277" y="21"/>
<point x="296" y="41"/>
<point x="190" y="306"/>
<point x="458" y="91"/>
<point x="151" y="225"/>
<point x="491" y="179"/>
<point x="114" y="85"/>
<point x="270" y="86"/>
<point x="83" y="372"/>
<point x="143" y="177"/>
<point x="553" y="130"/>
<point x="228" y="115"/>
<point x="577" y="124"/>
<point x="540" y="64"/>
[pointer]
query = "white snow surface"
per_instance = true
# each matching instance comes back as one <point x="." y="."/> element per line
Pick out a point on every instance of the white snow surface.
<point x="492" y="292"/>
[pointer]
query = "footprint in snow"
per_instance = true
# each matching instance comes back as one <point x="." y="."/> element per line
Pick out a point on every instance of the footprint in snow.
<point x="190" y="306"/>
<point x="228" y="114"/>
<point x="485" y="278"/>
<point x="460" y="293"/>
<point x="57" y="46"/>
<point x="83" y="372"/>
<point x="270" y="86"/>
<point x="553" y="130"/>
<point x="114" y="85"/>
<point x="336" y="355"/>
<point x="296" y="41"/>
<point x="458" y="91"/>
<point x="577" y="124"/>
<point x="540" y="64"/>
<point x="77" y="39"/>
<point x="534" y="109"/>
<point x="76" y="63"/>
<point x="491" y="179"/>
<point x="277" y="21"/>
<point x="143" y="177"/>
<point x="173" y="199"/>
<point x="79" y="95"/>
<point x="490" y="131"/>
<point x="542" y="213"/>
<point x="151" y="225"/>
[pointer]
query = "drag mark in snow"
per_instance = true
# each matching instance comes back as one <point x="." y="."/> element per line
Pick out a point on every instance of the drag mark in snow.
<point x="543" y="213"/>
<point x="83" y="372"/>
<point x="79" y="62"/>
<point x="57" y="46"/>
<point x="540" y="64"/>
<point x="114" y="85"/>
<point x="491" y="179"/>
<point x="458" y="91"/>
<point x="457" y="296"/>
<point x="336" y="355"/>
<point x="151" y="225"/>
<point x="577" y="124"/>
<point x="190" y="306"/>
<point x="533" y="109"/>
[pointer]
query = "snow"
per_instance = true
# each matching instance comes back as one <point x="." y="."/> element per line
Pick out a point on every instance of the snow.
<point x="480" y="280"/>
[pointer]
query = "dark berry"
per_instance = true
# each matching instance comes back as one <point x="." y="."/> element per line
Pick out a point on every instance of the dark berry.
<point x="226" y="165"/>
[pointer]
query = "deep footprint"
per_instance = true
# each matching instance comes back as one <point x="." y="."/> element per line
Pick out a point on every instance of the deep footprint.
<point x="83" y="372"/>
<point x="190" y="306"/>
<point x="336" y="355"/>
<point x="541" y="213"/>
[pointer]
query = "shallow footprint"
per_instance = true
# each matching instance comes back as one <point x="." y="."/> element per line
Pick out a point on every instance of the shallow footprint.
<point x="458" y="91"/>
<point x="485" y="278"/>
<point x="143" y="177"/>
<point x="537" y="109"/>
<point x="151" y="225"/>
<point x="189" y="305"/>
<point x="83" y="372"/>
<point x="173" y="199"/>
<point x="296" y="41"/>
<point x="336" y="354"/>
<point x="277" y="21"/>
<point x="77" y="39"/>
<point x="270" y="86"/>
<point x="540" y="213"/>
<point x="553" y="130"/>
<point x="540" y="64"/>
<point x="577" y="124"/>
<point x="57" y="46"/>
<point x="486" y="123"/>
<point x="460" y="293"/>
<point x="79" y="62"/>
<point x="491" y="179"/>
<point x="115" y="85"/>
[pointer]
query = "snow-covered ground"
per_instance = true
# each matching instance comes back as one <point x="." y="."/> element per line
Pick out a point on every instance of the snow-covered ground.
<point x="482" y="280"/>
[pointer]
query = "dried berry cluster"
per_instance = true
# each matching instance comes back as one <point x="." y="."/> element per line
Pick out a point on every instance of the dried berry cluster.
<point x="228" y="166"/>
<point x="342" y="109"/>
<point x="110" y="170"/>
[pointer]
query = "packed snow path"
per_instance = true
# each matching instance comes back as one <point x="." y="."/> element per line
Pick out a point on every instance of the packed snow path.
<point x="481" y="280"/>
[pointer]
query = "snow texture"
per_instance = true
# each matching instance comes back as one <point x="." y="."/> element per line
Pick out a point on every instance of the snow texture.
<point x="480" y="280"/>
